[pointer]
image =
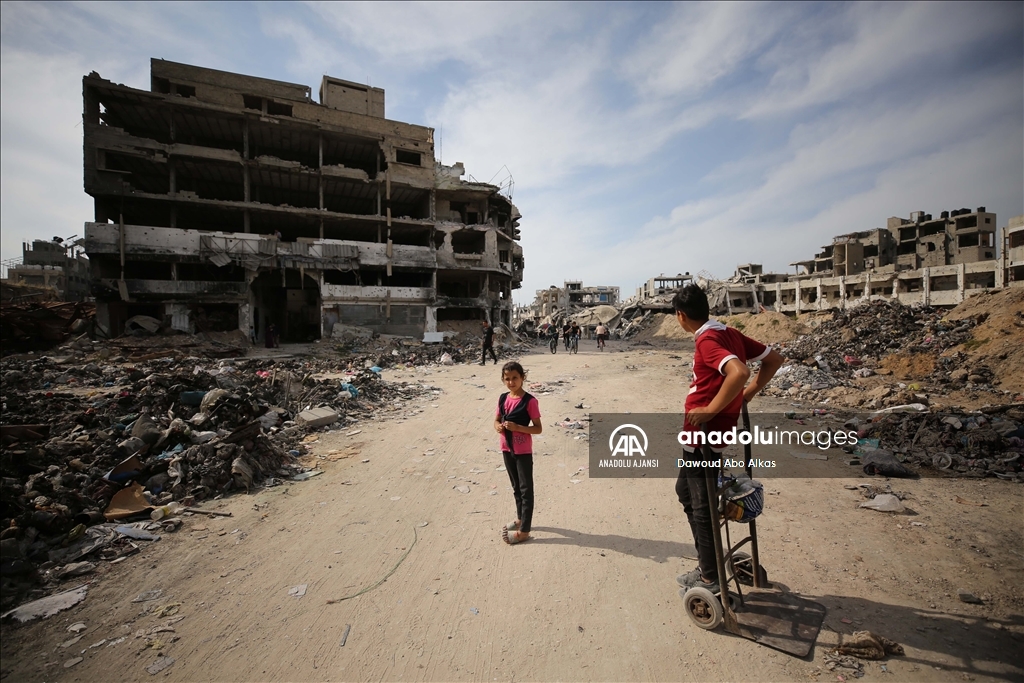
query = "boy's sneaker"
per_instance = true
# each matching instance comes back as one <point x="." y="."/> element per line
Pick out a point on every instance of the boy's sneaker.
<point x="697" y="580"/>
<point x="689" y="579"/>
<point x="714" y="587"/>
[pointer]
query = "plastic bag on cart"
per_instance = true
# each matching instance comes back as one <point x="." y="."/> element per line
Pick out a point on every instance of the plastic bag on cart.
<point x="742" y="499"/>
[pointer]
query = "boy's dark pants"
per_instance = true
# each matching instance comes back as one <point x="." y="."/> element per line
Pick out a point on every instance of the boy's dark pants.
<point x="520" y="473"/>
<point x="692" y="490"/>
<point x="488" y="347"/>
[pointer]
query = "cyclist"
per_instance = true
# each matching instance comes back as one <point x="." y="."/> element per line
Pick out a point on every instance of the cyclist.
<point x="552" y="337"/>
<point x="574" y="334"/>
<point x="602" y="334"/>
<point x="566" y="331"/>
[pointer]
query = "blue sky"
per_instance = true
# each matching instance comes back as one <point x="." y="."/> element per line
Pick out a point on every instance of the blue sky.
<point x="643" y="138"/>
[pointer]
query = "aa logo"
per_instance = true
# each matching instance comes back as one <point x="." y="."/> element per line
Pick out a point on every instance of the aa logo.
<point x="628" y="442"/>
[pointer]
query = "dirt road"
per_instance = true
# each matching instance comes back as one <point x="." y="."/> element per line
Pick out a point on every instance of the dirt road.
<point x="591" y="597"/>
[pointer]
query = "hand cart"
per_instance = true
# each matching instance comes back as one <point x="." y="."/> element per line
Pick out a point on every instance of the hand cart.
<point x="779" y="620"/>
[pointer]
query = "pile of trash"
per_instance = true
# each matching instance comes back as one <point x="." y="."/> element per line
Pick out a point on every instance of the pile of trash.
<point x="988" y="443"/>
<point x="361" y="345"/>
<point x="87" y="440"/>
<point x="42" y="325"/>
<point x="864" y="335"/>
<point x="795" y="378"/>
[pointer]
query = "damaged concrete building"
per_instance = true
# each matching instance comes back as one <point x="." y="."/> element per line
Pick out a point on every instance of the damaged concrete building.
<point x="920" y="259"/>
<point x="53" y="263"/>
<point x="224" y="201"/>
<point x="571" y="297"/>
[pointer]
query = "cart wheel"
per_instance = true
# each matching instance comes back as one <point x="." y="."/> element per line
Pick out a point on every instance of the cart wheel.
<point x="743" y="569"/>
<point x="703" y="608"/>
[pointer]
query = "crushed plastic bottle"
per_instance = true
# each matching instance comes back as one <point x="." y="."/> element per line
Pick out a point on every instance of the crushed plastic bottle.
<point x="168" y="510"/>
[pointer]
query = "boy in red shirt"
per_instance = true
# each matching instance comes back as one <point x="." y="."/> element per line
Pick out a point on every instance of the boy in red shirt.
<point x="717" y="394"/>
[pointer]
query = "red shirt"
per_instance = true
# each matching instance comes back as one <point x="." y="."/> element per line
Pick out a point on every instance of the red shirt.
<point x="715" y="345"/>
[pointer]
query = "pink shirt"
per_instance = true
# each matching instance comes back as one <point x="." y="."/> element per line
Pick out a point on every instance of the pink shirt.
<point x="523" y="442"/>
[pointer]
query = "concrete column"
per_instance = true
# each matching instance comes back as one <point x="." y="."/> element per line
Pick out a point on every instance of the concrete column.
<point x="799" y="298"/>
<point x="778" y="296"/>
<point x="820" y="304"/>
<point x="926" y="286"/>
<point x="842" y="293"/>
<point x="960" y="282"/>
<point x="867" y="285"/>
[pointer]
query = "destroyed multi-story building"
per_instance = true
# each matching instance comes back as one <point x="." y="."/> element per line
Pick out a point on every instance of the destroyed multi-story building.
<point x="920" y="259"/>
<point x="224" y="201"/>
<point x="53" y="263"/>
<point x="571" y="296"/>
<point x="661" y="284"/>
<point x="1013" y="252"/>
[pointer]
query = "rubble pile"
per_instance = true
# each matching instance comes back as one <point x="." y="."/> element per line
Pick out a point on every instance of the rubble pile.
<point x="982" y="444"/>
<point x="865" y="334"/>
<point x="79" y="435"/>
<point x="386" y="351"/>
<point x="42" y="325"/>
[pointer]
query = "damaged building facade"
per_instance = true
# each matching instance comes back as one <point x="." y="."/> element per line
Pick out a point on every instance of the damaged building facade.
<point x="936" y="261"/>
<point x="53" y="263"/>
<point x="571" y="297"/>
<point x="224" y="201"/>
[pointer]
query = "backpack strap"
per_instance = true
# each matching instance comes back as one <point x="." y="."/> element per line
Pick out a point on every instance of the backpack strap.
<point x="501" y="411"/>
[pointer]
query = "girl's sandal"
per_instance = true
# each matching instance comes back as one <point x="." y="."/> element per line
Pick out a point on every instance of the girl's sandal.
<point x="512" y="536"/>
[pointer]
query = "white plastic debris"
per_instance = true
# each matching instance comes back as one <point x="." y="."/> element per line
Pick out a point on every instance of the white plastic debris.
<point x="48" y="606"/>
<point x="884" y="502"/>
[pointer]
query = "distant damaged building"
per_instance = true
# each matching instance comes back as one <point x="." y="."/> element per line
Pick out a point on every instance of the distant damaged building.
<point x="225" y="201"/>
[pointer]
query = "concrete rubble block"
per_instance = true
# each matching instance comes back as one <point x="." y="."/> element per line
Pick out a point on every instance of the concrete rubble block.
<point x="354" y="332"/>
<point x="317" y="417"/>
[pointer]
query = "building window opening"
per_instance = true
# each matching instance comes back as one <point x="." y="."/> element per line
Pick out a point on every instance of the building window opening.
<point x="448" y="314"/>
<point x="967" y="240"/>
<point x="468" y="242"/>
<point x="252" y="102"/>
<point x="406" y="157"/>
<point x="147" y="270"/>
<point x="214" y="317"/>
<point x="277" y="109"/>
<point x="342" y="277"/>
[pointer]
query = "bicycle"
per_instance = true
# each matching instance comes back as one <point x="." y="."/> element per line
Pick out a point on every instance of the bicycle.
<point x="600" y="342"/>
<point x="553" y="344"/>
<point x="574" y="345"/>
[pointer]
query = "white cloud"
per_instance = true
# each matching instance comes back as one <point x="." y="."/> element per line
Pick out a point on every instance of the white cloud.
<point x="698" y="44"/>
<point x="883" y="42"/>
<point x="417" y="35"/>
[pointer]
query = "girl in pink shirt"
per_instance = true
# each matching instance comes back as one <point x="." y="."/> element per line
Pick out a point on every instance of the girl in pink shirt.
<point x="516" y="419"/>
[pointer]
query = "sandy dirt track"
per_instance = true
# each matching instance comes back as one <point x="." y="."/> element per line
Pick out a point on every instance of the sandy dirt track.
<point x="591" y="597"/>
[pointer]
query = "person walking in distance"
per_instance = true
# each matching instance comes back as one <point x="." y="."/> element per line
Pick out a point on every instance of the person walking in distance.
<point x="488" y="344"/>
<point x="517" y="419"/>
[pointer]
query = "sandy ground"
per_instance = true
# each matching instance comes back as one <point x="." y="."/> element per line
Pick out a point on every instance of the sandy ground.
<point x="591" y="597"/>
